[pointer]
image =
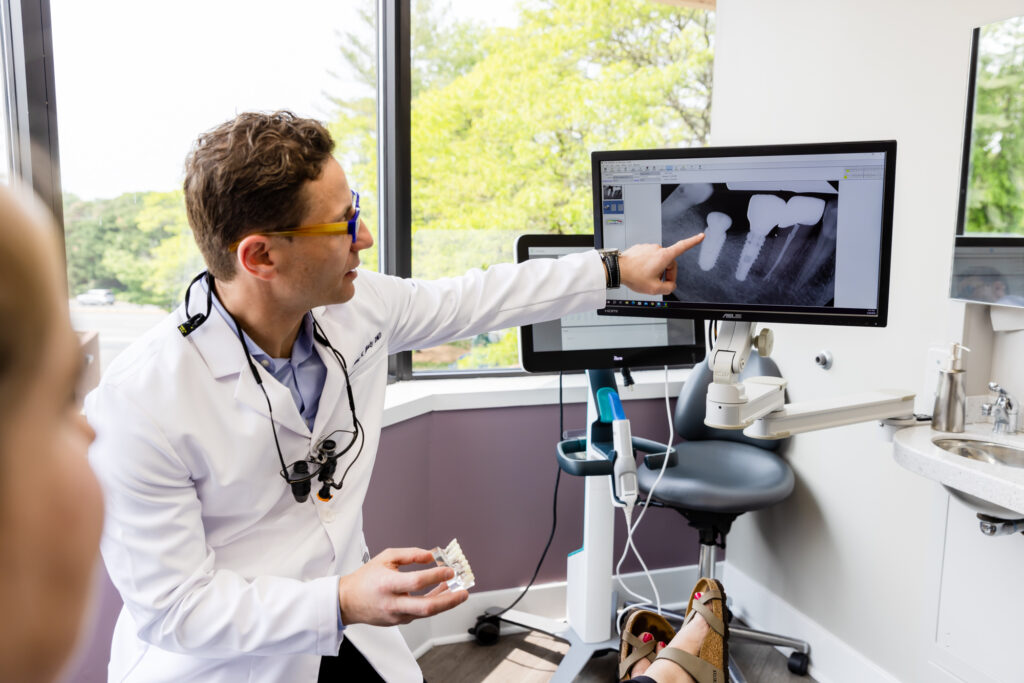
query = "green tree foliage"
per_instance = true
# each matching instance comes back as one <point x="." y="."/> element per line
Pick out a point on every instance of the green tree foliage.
<point x="995" y="197"/>
<point x="138" y="244"/>
<point x="92" y="227"/>
<point x="504" y="119"/>
<point x="507" y="145"/>
<point x="440" y="52"/>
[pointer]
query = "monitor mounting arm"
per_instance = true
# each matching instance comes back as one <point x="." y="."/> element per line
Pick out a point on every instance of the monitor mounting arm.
<point x="757" y="405"/>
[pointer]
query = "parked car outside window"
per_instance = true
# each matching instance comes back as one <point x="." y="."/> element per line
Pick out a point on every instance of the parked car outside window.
<point x="96" y="297"/>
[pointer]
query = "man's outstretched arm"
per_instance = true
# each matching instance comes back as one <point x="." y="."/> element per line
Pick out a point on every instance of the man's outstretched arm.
<point x="651" y="269"/>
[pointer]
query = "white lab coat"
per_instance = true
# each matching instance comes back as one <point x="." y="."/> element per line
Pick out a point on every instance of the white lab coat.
<point x="224" y="576"/>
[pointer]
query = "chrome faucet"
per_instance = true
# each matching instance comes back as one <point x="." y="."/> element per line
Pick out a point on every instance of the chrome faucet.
<point x="1004" y="410"/>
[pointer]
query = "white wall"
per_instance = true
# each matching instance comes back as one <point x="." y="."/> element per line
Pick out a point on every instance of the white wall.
<point x="853" y="549"/>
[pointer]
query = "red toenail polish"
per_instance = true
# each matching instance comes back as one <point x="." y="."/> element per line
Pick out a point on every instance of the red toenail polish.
<point x="661" y="643"/>
<point x="647" y="637"/>
<point x="697" y="595"/>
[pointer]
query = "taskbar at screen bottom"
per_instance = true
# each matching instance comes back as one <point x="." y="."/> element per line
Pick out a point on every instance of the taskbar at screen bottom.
<point x="866" y="317"/>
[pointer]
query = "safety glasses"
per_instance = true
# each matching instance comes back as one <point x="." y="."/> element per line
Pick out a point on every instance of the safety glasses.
<point x="351" y="226"/>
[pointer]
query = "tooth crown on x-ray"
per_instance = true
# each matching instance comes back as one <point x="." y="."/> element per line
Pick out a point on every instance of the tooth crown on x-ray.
<point x="764" y="212"/>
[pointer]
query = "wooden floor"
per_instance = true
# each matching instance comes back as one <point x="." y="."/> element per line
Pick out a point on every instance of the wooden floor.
<point x="533" y="657"/>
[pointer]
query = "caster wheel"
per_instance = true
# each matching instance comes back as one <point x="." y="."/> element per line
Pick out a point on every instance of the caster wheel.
<point x="487" y="630"/>
<point x="798" y="663"/>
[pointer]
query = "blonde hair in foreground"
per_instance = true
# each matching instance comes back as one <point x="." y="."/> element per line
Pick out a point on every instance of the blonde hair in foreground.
<point x="51" y="508"/>
<point x="28" y="290"/>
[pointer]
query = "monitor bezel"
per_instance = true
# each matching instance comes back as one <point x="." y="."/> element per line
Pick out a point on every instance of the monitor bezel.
<point x="965" y="159"/>
<point x="751" y="312"/>
<point x="595" y="359"/>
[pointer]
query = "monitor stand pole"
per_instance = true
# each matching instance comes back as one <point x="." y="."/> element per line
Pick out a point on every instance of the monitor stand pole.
<point x="590" y="600"/>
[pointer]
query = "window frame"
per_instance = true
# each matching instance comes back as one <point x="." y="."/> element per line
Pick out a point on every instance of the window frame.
<point x="30" y="104"/>
<point x="394" y="170"/>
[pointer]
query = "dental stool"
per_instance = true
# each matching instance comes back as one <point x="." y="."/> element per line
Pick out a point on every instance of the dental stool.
<point x="720" y="474"/>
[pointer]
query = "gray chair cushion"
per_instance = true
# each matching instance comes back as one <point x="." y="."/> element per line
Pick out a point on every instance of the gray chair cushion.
<point x="721" y="476"/>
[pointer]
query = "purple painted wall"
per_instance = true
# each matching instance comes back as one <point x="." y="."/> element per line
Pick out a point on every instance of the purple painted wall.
<point x="487" y="476"/>
<point x="483" y="476"/>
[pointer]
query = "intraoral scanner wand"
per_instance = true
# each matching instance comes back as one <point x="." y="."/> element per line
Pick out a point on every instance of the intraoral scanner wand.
<point x="624" y="483"/>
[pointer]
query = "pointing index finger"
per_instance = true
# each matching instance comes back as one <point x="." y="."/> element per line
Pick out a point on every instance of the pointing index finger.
<point x="684" y="245"/>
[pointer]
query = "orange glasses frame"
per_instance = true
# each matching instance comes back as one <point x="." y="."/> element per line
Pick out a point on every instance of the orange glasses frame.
<point x="351" y="226"/>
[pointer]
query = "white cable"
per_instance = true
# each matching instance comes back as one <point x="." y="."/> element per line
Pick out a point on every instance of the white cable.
<point x="630" y="528"/>
<point x="664" y="464"/>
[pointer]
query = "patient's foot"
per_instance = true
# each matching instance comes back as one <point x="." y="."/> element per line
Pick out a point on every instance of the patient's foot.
<point x="689" y="639"/>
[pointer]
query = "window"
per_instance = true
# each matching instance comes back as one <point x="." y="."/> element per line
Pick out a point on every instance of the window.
<point x="508" y="99"/>
<point x="131" y="101"/>
<point x="488" y="113"/>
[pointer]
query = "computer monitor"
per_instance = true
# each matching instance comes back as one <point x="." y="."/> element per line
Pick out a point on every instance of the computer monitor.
<point x="587" y="341"/>
<point x="793" y="233"/>
<point x="988" y="256"/>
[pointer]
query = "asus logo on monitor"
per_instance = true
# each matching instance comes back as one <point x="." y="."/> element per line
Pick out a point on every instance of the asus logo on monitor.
<point x="616" y="358"/>
<point x="732" y="316"/>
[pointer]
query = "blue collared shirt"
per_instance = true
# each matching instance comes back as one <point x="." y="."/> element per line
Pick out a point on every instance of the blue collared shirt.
<point x="304" y="373"/>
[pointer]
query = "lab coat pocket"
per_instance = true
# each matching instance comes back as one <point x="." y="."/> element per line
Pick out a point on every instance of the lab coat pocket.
<point x="370" y="356"/>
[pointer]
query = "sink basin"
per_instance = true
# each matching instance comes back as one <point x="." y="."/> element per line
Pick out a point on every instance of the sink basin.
<point x="980" y="469"/>
<point x="983" y="451"/>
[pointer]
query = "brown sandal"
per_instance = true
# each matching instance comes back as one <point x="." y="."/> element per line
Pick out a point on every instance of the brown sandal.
<point x="711" y="664"/>
<point x="633" y="649"/>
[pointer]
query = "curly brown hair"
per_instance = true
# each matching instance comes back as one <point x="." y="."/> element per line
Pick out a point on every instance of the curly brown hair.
<point x="247" y="175"/>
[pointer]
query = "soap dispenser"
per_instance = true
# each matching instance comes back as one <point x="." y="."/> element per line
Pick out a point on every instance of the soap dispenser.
<point x="951" y="393"/>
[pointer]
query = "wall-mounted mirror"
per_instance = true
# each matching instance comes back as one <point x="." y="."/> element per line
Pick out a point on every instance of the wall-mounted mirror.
<point x="988" y="259"/>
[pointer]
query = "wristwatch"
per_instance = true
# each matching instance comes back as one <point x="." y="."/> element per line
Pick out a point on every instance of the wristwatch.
<point x="611" y="265"/>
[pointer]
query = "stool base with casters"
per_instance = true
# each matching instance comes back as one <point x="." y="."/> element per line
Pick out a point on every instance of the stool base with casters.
<point x="580" y="652"/>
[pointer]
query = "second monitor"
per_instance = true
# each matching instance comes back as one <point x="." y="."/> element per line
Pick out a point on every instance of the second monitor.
<point x="586" y="341"/>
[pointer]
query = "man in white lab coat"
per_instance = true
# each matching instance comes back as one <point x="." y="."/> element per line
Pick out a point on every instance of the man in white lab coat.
<point x="225" y="576"/>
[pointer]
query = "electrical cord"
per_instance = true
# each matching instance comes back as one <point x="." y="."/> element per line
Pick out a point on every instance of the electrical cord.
<point x="631" y="527"/>
<point x="554" y="505"/>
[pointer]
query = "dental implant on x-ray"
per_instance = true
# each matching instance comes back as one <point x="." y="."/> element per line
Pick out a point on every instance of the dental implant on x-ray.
<point x="714" y="238"/>
<point x="763" y="213"/>
<point x="766" y="211"/>
<point x="800" y="211"/>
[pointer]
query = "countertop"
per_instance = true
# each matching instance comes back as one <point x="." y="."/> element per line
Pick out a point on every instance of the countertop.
<point x="996" y="483"/>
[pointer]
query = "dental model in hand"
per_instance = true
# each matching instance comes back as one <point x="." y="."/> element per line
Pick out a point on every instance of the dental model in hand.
<point x="763" y="212"/>
<point x="800" y="210"/>
<point x="452" y="556"/>
<point x="714" y="238"/>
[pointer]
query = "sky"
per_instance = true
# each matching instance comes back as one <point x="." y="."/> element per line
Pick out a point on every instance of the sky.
<point x="137" y="80"/>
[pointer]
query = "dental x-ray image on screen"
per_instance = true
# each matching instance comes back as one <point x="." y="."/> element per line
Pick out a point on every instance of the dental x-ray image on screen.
<point x="761" y="246"/>
<point x="792" y="233"/>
